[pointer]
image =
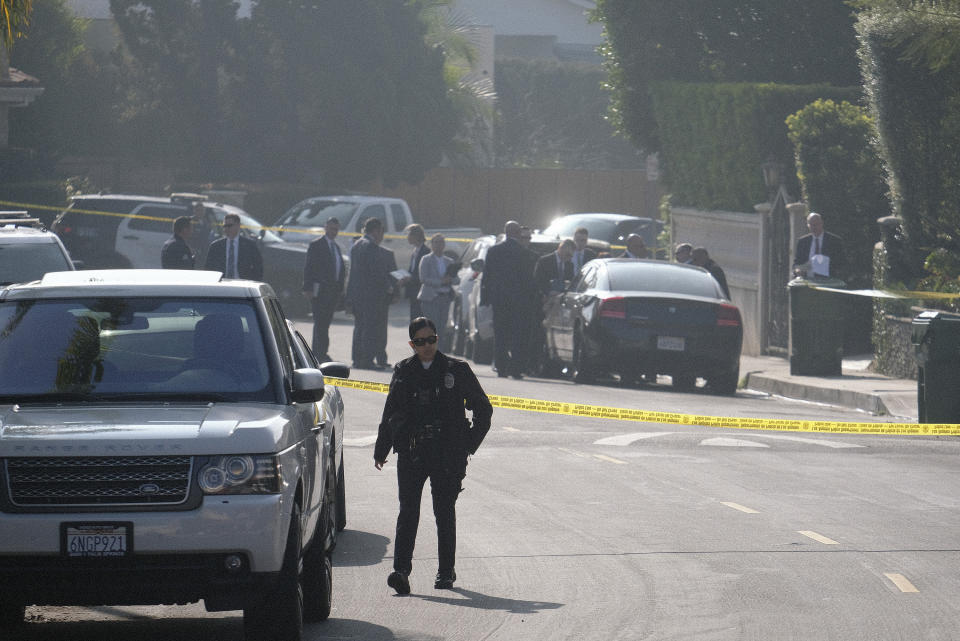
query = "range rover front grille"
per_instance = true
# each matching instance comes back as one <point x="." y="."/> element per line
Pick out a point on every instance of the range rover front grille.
<point x="45" y="482"/>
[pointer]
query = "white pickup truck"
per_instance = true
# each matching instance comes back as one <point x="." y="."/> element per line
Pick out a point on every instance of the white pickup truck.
<point x="304" y="222"/>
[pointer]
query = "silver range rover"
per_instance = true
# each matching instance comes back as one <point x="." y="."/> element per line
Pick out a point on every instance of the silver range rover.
<point x="165" y="437"/>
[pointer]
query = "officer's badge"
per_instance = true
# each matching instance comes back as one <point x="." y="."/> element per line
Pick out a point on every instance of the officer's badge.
<point x="448" y="380"/>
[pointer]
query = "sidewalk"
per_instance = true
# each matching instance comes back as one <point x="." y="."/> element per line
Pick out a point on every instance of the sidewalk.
<point x="857" y="388"/>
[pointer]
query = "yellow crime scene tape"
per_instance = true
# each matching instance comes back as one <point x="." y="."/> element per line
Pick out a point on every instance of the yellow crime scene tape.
<point x="673" y="418"/>
<point x="625" y="414"/>
<point x="315" y="231"/>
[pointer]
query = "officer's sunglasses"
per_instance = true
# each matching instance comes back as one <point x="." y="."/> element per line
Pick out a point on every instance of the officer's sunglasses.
<point x="426" y="340"/>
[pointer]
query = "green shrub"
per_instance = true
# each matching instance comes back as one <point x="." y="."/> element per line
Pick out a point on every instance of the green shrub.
<point x="716" y="137"/>
<point x="841" y="177"/>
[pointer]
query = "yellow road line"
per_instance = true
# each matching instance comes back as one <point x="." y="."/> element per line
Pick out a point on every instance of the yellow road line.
<point x="903" y="584"/>
<point x="817" y="537"/>
<point x="737" y="506"/>
<point x="609" y="459"/>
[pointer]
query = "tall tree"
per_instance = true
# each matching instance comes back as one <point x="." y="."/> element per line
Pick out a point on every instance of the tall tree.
<point x="724" y="40"/>
<point x="179" y="51"/>
<point x="342" y="92"/>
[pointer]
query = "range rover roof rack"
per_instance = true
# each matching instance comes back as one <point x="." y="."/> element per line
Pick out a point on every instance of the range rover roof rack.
<point x="18" y="219"/>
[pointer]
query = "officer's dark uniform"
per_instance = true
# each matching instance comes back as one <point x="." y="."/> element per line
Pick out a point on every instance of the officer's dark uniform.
<point x="176" y="254"/>
<point x="425" y="424"/>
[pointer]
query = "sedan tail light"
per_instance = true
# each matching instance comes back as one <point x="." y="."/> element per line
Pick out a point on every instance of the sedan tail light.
<point x="728" y="316"/>
<point x="615" y="307"/>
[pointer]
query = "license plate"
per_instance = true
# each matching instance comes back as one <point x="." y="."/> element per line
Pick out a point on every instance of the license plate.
<point x="671" y="343"/>
<point x="96" y="540"/>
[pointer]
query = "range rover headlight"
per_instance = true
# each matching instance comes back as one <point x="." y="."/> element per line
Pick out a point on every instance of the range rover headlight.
<point x="240" y="474"/>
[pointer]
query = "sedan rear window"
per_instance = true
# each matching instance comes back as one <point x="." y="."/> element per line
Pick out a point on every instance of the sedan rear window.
<point x="20" y="263"/>
<point x="122" y="348"/>
<point x="661" y="277"/>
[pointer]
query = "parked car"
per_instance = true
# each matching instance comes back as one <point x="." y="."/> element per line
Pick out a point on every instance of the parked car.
<point x="108" y="231"/>
<point x="606" y="230"/>
<point x="28" y="250"/>
<point x="166" y="439"/>
<point x="639" y="318"/>
<point x="304" y="222"/>
<point x="470" y="324"/>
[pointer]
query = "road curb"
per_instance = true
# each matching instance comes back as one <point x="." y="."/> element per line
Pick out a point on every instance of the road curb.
<point x="865" y="401"/>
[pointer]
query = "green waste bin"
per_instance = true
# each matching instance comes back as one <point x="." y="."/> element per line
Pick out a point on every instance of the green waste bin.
<point x="936" y="339"/>
<point x="816" y="327"/>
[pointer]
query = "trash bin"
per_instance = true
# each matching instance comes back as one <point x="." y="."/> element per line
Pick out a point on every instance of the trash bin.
<point x="936" y="339"/>
<point x="816" y="327"/>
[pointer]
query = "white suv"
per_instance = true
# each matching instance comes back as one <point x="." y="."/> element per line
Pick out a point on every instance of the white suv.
<point x="165" y="437"/>
<point x="28" y="250"/>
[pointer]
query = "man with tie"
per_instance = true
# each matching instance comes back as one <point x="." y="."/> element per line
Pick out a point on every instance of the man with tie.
<point x="323" y="277"/>
<point x="555" y="268"/>
<point x="235" y="255"/>
<point x="818" y="243"/>
<point x="418" y="238"/>
<point x="581" y="253"/>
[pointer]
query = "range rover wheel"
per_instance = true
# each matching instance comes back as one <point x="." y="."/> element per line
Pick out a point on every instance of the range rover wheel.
<point x="341" y="500"/>
<point x="318" y="561"/>
<point x="11" y="613"/>
<point x="279" y="615"/>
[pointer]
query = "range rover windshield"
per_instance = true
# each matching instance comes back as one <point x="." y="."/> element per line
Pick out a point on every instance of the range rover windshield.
<point x="119" y="348"/>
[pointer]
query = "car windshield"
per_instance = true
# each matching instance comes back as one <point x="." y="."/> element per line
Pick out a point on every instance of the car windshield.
<point x="121" y="348"/>
<point x="660" y="277"/>
<point x="609" y="230"/>
<point x="315" y="213"/>
<point x="23" y="262"/>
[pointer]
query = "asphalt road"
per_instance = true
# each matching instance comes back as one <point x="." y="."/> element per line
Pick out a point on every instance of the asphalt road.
<point x="573" y="528"/>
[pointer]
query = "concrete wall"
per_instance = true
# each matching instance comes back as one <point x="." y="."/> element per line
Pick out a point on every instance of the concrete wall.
<point x="735" y="241"/>
<point x="565" y="19"/>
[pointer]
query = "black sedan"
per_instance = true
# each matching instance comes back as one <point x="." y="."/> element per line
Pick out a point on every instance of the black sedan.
<point x="640" y="318"/>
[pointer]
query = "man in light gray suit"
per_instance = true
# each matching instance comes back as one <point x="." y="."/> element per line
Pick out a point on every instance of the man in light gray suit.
<point x="435" y="292"/>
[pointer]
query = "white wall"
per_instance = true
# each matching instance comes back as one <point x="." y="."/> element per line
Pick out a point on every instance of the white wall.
<point x="735" y="241"/>
<point x="565" y="19"/>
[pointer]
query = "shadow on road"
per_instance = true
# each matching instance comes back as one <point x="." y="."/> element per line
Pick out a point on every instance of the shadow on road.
<point x="482" y="601"/>
<point x="355" y="549"/>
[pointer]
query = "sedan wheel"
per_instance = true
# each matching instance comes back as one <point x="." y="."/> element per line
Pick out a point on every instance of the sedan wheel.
<point x="684" y="381"/>
<point x="582" y="372"/>
<point x="725" y="382"/>
<point x="11" y="613"/>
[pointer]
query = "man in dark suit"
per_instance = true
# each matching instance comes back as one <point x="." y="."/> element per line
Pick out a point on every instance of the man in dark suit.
<point x="323" y="277"/>
<point x="555" y="268"/>
<point x="581" y="253"/>
<point x="700" y="258"/>
<point x="369" y="291"/>
<point x="822" y="243"/>
<point x="235" y="255"/>
<point x="508" y="286"/>
<point x="176" y="253"/>
<point x="636" y="247"/>
<point x="418" y="238"/>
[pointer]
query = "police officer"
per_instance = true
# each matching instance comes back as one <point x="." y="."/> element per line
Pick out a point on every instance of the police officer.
<point x="176" y="253"/>
<point x="425" y="424"/>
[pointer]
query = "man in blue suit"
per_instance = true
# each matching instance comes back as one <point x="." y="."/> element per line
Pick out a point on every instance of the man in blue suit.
<point x="235" y="255"/>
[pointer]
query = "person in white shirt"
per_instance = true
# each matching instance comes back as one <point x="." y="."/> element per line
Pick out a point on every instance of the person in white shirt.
<point x="436" y="293"/>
